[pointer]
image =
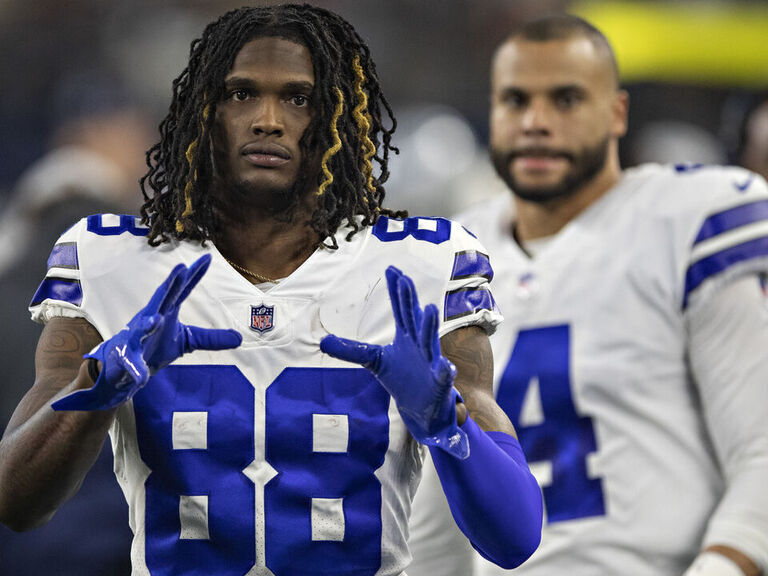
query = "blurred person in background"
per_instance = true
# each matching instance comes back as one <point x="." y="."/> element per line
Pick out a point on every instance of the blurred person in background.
<point x="96" y="159"/>
<point x="752" y="149"/>
<point x="632" y="361"/>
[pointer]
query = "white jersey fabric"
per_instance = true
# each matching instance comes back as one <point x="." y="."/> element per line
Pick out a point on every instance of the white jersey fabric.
<point x="271" y="458"/>
<point x="633" y="362"/>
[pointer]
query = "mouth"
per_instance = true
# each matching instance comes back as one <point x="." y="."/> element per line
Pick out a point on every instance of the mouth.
<point x="265" y="155"/>
<point x="539" y="160"/>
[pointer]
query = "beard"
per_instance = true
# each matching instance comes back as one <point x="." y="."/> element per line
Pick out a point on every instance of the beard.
<point x="585" y="165"/>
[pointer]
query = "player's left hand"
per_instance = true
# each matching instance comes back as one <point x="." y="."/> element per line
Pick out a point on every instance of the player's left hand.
<point x="412" y="368"/>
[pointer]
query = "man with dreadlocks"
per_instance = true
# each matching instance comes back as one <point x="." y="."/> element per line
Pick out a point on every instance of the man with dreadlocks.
<point x="264" y="442"/>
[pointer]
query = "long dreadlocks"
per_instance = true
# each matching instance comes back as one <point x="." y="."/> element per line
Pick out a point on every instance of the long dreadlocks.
<point x="347" y="126"/>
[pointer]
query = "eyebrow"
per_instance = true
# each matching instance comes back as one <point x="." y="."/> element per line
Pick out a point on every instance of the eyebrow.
<point x="292" y="86"/>
<point x="567" y="88"/>
<point x="551" y="91"/>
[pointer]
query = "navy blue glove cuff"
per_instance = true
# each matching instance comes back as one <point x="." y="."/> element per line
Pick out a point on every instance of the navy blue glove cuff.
<point x="493" y="496"/>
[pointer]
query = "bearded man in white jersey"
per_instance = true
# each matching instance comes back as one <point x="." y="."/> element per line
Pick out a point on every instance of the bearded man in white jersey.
<point x="266" y="374"/>
<point x="633" y="361"/>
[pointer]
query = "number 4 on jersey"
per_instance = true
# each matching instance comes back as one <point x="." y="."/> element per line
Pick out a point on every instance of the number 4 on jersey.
<point x="535" y="392"/>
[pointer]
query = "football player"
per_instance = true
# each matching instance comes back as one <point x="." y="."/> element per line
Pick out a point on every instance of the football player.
<point x="633" y="360"/>
<point x="267" y="413"/>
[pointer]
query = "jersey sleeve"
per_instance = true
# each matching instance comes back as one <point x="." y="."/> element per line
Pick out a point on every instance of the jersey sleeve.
<point x="726" y="319"/>
<point x="729" y="230"/>
<point x="728" y="339"/>
<point x="60" y="293"/>
<point x="468" y="298"/>
<point x="449" y="266"/>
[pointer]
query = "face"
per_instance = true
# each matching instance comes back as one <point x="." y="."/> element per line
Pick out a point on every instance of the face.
<point x="556" y="114"/>
<point x="755" y="155"/>
<point x="264" y="113"/>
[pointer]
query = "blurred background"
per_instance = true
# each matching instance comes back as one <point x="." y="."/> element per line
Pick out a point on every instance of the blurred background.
<point x="85" y="83"/>
<point x="690" y="66"/>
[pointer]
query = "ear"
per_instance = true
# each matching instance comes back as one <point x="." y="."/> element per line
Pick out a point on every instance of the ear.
<point x="620" y="113"/>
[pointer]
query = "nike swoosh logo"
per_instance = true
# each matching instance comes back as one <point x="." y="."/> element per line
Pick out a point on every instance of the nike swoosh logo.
<point x="744" y="185"/>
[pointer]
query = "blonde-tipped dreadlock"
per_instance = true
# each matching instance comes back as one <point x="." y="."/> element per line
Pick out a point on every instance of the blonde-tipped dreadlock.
<point x="178" y="200"/>
<point x="336" y="143"/>
<point x="364" y="125"/>
<point x="191" y="160"/>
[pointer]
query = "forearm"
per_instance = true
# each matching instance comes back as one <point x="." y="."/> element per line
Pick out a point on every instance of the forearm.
<point x="493" y="497"/>
<point x="43" y="460"/>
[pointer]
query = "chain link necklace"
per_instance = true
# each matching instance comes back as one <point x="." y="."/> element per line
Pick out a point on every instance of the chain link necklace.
<point x="262" y="279"/>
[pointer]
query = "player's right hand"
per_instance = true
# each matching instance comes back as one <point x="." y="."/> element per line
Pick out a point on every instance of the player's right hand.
<point x="152" y="339"/>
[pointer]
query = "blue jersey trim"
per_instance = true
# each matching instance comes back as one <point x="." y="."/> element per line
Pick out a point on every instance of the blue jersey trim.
<point x="63" y="289"/>
<point x="410" y="227"/>
<point x="471" y="263"/>
<point x="731" y="219"/>
<point x="466" y="301"/>
<point x="127" y="223"/>
<point x="63" y="255"/>
<point x="716" y="263"/>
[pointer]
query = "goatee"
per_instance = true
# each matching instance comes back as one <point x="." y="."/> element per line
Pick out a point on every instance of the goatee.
<point x="585" y="165"/>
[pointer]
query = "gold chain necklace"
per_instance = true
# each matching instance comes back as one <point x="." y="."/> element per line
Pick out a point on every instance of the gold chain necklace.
<point x="258" y="277"/>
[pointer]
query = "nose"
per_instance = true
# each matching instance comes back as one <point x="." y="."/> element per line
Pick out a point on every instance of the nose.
<point x="267" y="117"/>
<point x="536" y="118"/>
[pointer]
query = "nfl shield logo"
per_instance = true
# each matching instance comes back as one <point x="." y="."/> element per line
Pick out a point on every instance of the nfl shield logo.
<point x="261" y="318"/>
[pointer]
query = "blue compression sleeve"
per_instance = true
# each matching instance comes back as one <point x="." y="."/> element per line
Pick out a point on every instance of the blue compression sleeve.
<point x="493" y="496"/>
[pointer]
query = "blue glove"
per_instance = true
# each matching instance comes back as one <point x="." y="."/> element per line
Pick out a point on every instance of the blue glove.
<point x="412" y="368"/>
<point x="152" y="339"/>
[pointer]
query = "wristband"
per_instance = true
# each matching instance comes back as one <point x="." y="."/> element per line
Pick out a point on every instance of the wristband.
<point x="713" y="564"/>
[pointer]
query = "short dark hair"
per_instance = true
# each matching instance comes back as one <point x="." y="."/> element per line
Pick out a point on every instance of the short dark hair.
<point x="348" y="125"/>
<point x="563" y="27"/>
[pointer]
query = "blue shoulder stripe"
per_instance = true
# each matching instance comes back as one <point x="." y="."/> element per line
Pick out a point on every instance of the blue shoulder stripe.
<point x="712" y="265"/>
<point x="63" y="255"/>
<point x="466" y="301"/>
<point x="731" y="219"/>
<point x="64" y="289"/>
<point x="471" y="263"/>
<point x="719" y="224"/>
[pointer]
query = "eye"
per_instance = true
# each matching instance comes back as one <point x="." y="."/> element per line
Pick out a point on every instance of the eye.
<point x="514" y="99"/>
<point x="567" y="100"/>
<point x="299" y="100"/>
<point x="239" y="95"/>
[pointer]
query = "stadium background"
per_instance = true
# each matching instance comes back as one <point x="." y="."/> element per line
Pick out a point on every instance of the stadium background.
<point x="686" y="63"/>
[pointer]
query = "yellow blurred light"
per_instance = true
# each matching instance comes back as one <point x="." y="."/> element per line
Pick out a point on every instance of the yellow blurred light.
<point x="712" y="43"/>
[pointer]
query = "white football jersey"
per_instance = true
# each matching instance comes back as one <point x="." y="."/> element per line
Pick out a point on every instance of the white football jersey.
<point x="271" y="458"/>
<point x="631" y="441"/>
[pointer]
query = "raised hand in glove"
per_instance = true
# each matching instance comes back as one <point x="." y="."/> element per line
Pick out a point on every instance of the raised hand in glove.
<point x="153" y="338"/>
<point x="412" y="368"/>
